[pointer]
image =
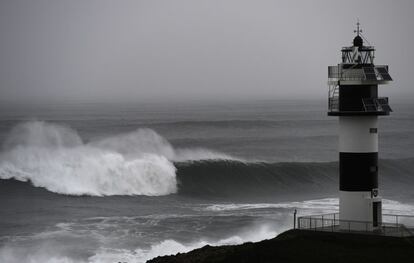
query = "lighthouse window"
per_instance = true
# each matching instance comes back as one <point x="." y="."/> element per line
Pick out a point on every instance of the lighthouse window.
<point x="373" y="130"/>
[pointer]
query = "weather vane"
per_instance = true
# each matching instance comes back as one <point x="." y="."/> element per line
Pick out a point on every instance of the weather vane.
<point x="358" y="30"/>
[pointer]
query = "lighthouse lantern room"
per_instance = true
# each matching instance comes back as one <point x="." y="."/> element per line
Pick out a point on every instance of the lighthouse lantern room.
<point x="353" y="97"/>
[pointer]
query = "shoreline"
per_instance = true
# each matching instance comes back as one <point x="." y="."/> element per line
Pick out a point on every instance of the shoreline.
<point x="304" y="245"/>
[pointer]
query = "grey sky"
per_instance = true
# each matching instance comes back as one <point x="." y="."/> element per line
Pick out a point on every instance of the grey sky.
<point x="186" y="49"/>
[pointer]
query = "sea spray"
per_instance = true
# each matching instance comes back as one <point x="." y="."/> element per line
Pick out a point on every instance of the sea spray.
<point x="55" y="157"/>
<point x="171" y="247"/>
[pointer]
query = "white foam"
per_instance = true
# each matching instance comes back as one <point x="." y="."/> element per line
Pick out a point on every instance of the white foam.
<point x="43" y="254"/>
<point x="62" y="246"/>
<point x="327" y="204"/>
<point x="54" y="156"/>
<point x="171" y="247"/>
<point x="102" y="249"/>
<point x="197" y="154"/>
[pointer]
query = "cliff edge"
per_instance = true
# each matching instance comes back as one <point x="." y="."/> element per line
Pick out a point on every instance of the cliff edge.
<point x="304" y="246"/>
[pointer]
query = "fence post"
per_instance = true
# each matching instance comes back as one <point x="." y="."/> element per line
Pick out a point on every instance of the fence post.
<point x="294" y="219"/>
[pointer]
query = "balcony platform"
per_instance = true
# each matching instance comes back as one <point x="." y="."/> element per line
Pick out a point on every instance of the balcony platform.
<point x="358" y="113"/>
<point x="366" y="107"/>
<point x="355" y="75"/>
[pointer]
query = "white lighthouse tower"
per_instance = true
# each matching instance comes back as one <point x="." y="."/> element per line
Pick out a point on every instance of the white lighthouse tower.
<point x="353" y="97"/>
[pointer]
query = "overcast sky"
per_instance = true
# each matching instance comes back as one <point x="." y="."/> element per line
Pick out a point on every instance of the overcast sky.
<point x="101" y="50"/>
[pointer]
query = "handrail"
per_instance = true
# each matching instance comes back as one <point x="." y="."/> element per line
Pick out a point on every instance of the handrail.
<point x="333" y="104"/>
<point x="358" y="221"/>
<point x="411" y="216"/>
<point x="352" y="73"/>
<point x="363" y="103"/>
<point x="328" y="214"/>
<point x="407" y="230"/>
<point x="325" y="222"/>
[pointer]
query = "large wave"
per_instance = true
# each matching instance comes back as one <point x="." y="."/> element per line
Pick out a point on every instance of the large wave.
<point x="144" y="163"/>
<point x="55" y="157"/>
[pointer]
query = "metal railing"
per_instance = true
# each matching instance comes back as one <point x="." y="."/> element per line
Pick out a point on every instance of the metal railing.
<point x="390" y="226"/>
<point x="367" y="104"/>
<point x="407" y="220"/>
<point x="339" y="73"/>
<point x="335" y="72"/>
<point x="333" y="103"/>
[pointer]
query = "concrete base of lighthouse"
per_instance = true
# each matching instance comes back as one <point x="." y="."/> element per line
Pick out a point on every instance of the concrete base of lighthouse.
<point x="359" y="211"/>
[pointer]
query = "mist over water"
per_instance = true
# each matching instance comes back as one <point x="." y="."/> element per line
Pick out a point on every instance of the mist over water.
<point x="93" y="183"/>
<point x="134" y="129"/>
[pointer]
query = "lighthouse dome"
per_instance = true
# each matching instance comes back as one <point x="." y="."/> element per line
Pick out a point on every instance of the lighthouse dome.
<point x="358" y="42"/>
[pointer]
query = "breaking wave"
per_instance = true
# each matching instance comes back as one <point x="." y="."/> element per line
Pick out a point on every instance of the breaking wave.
<point x="55" y="157"/>
<point x="144" y="163"/>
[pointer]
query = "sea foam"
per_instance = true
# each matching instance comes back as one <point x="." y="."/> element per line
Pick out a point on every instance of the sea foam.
<point x="171" y="247"/>
<point x="55" y="157"/>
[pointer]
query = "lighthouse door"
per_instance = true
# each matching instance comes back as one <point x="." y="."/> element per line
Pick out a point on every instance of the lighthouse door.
<point x="376" y="213"/>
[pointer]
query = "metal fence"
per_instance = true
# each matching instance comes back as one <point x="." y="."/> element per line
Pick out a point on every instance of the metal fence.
<point x="335" y="72"/>
<point x="340" y="73"/>
<point x="391" y="225"/>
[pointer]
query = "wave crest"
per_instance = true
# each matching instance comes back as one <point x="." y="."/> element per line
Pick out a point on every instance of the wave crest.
<point x="55" y="157"/>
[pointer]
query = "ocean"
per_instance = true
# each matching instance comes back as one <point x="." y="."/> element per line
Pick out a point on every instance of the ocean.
<point x="94" y="182"/>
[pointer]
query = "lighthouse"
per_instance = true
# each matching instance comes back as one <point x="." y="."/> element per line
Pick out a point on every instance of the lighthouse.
<point x="353" y="98"/>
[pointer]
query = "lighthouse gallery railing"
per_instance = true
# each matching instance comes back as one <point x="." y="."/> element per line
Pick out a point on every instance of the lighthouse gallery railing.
<point x="340" y="73"/>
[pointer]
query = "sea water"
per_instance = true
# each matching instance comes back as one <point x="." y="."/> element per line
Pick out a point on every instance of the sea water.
<point x="85" y="182"/>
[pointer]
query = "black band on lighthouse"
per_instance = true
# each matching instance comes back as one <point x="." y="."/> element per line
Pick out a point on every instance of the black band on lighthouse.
<point x="358" y="171"/>
<point x="351" y="96"/>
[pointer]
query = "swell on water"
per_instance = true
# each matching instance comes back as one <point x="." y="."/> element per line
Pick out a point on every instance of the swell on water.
<point x="238" y="179"/>
<point x="55" y="157"/>
<point x="287" y="180"/>
<point x="144" y="163"/>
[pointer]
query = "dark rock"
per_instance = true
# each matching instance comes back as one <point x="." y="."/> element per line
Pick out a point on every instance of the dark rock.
<point x="304" y="246"/>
